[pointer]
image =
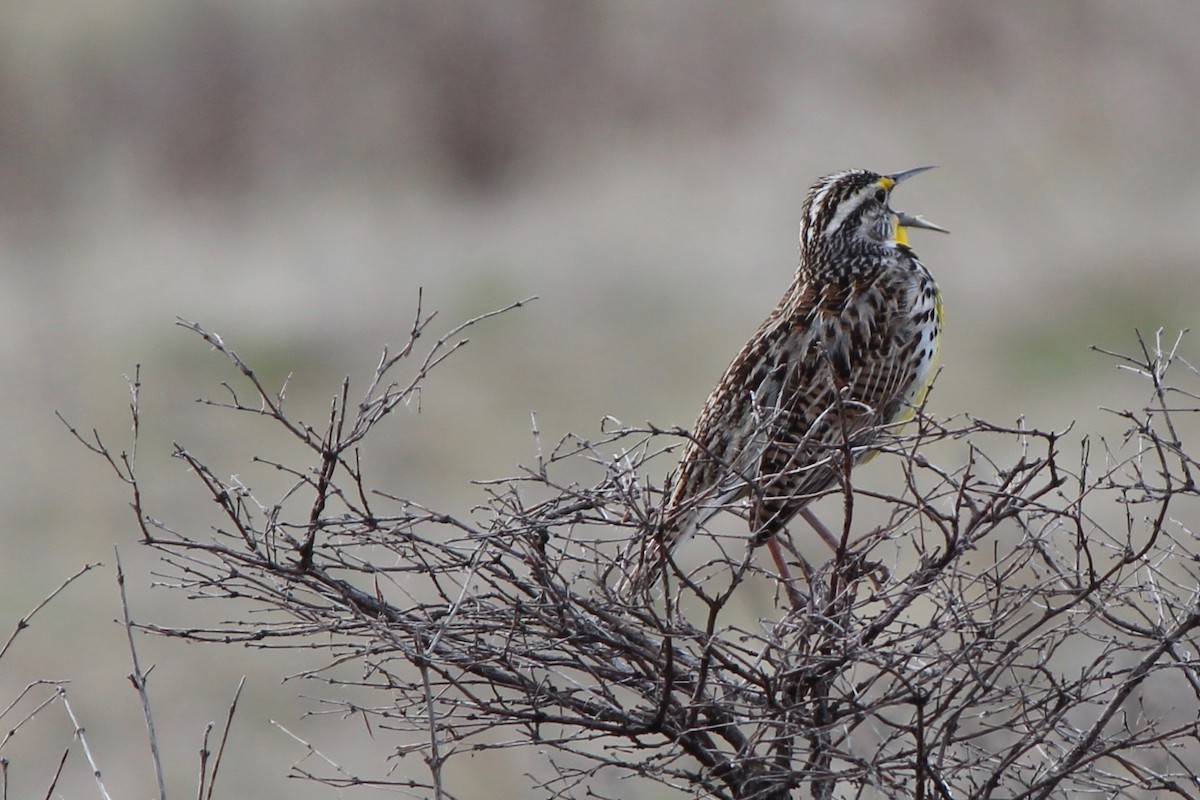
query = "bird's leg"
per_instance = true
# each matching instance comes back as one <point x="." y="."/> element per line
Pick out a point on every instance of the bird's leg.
<point x="785" y="574"/>
<point x="835" y="544"/>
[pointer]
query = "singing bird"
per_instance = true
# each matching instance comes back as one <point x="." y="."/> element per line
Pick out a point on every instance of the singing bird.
<point x="849" y="349"/>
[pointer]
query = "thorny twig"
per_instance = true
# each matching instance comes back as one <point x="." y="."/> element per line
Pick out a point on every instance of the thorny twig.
<point x="139" y="678"/>
<point x="80" y="735"/>
<point x="998" y="658"/>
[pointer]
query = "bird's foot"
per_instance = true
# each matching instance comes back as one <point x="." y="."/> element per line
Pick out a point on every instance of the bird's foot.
<point x="855" y="567"/>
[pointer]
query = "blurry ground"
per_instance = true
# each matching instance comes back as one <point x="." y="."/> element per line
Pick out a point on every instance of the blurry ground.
<point x="290" y="174"/>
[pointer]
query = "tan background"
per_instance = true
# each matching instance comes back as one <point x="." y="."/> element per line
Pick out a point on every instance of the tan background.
<point x="290" y="173"/>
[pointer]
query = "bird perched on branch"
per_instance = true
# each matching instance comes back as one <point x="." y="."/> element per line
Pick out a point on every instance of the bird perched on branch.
<point x="849" y="349"/>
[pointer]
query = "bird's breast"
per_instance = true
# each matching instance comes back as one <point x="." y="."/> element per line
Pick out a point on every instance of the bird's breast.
<point x="925" y="313"/>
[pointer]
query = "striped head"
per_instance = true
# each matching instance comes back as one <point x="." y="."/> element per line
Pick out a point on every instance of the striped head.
<point x="851" y="211"/>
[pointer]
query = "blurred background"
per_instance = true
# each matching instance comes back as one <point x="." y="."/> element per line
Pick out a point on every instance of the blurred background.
<point x="289" y="174"/>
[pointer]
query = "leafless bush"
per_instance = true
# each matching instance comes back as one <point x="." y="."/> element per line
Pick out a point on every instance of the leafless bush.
<point x="1021" y="645"/>
<point x="33" y="701"/>
<point x="41" y="698"/>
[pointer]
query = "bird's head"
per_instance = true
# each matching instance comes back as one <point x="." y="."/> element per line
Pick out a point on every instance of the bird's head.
<point x="852" y="210"/>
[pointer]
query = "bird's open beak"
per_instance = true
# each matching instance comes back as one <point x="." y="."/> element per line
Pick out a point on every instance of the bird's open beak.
<point x="911" y="220"/>
<point x="908" y="173"/>
<point x="916" y="221"/>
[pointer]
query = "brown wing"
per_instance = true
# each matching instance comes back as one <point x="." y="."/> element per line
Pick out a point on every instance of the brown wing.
<point x="835" y="412"/>
<point x="820" y="374"/>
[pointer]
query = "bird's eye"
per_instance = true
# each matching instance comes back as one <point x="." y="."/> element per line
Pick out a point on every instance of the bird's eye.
<point x="881" y="196"/>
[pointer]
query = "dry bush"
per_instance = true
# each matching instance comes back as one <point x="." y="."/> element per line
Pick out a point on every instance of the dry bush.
<point x="1022" y="646"/>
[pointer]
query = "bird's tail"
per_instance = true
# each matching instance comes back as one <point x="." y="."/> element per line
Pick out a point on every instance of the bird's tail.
<point x="642" y="561"/>
<point x="645" y="557"/>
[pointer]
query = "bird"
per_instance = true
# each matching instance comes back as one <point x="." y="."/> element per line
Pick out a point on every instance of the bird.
<point x="849" y="350"/>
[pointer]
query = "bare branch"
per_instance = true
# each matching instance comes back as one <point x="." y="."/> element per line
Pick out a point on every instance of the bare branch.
<point x="87" y="751"/>
<point x="212" y="781"/>
<point x="1030" y="594"/>
<point x="25" y="621"/>
<point x="138" y="679"/>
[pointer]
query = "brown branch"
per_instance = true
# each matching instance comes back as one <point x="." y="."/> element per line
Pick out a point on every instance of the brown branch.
<point x="953" y="677"/>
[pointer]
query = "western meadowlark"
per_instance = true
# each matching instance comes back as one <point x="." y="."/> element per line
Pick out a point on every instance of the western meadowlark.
<point x="849" y="349"/>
